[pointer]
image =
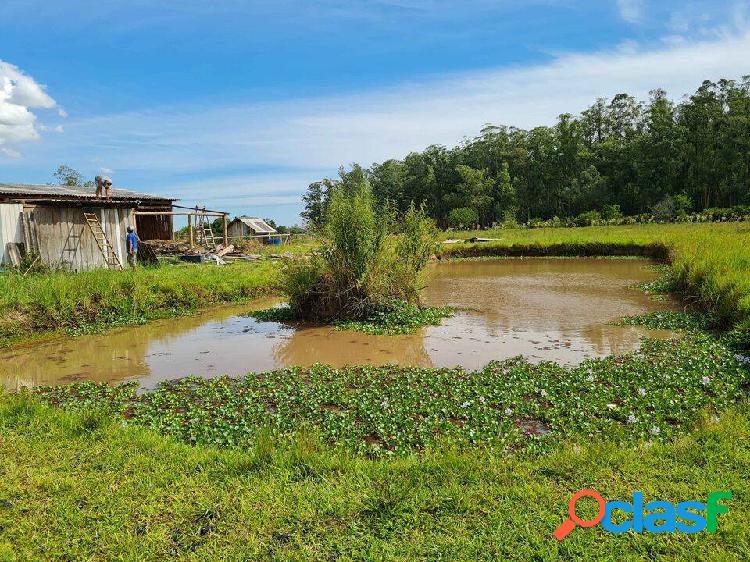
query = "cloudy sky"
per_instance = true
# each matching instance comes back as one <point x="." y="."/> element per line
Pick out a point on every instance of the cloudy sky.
<point x="238" y="105"/>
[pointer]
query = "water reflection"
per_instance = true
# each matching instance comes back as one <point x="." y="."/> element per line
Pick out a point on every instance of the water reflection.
<point x="545" y="309"/>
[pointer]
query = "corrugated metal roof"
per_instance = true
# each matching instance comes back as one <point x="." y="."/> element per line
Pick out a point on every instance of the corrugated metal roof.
<point x="259" y="226"/>
<point x="65" y="192"/>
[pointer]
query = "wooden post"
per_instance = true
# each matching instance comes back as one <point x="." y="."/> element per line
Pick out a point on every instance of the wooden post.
<point x="190" y="230"/>
<point x="226" y="238"/>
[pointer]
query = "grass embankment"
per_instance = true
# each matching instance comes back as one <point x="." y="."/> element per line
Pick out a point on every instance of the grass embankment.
<point x="76" y="485"/>
<point x="710" y="262"/>
<point x="298" y="245"/>
<point x="93" y="300"/>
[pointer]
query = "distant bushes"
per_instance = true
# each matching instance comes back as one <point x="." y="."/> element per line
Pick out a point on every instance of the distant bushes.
<point x="671" y="209"/>
<point x="654" y="250"/>
<point x="463" y="217"/>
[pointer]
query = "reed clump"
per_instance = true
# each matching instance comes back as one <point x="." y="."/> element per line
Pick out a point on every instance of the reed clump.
<point x="369" y="261"/>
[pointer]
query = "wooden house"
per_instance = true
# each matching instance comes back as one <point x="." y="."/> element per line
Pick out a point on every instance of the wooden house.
<point x="70" y="227"/>
<point x="249" y="226"/>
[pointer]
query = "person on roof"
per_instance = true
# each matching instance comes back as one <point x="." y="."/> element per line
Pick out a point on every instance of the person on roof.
<point x="103" y="187"/>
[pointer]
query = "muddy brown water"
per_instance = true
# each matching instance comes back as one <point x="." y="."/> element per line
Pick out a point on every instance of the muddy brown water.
<point x="542" y="308"/>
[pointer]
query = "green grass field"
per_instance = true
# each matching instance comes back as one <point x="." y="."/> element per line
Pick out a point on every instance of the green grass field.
<point x="396" y="464"/>
<point x="79" y="486"/>
<point x="36" y="304"/>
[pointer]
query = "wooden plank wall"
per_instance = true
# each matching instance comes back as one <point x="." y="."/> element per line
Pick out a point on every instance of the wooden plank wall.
<point x="65" y="239"/>
<point x="154" y="227"/>
<point x="238" y="229"/>
<point x="10" y="228"/>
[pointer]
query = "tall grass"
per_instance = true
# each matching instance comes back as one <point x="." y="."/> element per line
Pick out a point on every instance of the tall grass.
<point x="80" y="301"/>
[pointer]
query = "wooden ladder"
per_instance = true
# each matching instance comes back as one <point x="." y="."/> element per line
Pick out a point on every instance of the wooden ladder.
<point x="110" y="256"/>
<point x="205" y="232"/>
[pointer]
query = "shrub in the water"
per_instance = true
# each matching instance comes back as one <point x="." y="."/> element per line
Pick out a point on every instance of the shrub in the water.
<point x="370" y="263"/>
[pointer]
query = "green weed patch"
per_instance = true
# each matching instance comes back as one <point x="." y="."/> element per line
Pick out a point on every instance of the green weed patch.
<point x="654" y="394"/>
<point x="667" y="320"/>
<point x="399" y="317"/>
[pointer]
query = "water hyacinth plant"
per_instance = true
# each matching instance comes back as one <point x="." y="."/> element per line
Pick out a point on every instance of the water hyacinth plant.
<point x="398" y="317"/>
<point x="376" y="411"/>
<point x="668" y="320"/>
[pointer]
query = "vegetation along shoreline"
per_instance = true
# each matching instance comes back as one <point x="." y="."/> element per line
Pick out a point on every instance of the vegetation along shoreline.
<point x="705" y="261"/>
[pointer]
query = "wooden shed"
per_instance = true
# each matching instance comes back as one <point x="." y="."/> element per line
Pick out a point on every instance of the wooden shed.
<point x="59" y="224"/>
<point x="249" y="226"/>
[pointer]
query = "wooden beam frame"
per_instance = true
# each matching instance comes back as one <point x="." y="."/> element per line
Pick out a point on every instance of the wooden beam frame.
<point x="182" y="213"/>
<point x="190" y="213"/>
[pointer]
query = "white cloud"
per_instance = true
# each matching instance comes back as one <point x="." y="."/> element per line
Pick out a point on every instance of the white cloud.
<point x="9" y="152"/>
<point x="306" y="139"/>
<point x="55" y="129"/>
<point x="631" y="10"/>
<point x="19" y="94"/>
<point x="709" y="20"/>
<point x="369" y="126"/>
<point x="244" y="190"/>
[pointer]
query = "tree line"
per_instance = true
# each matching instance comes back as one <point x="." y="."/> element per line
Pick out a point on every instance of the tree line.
<point x="619" y="156"/>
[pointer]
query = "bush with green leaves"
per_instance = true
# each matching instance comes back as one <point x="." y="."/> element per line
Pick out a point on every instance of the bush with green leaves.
<point x="369" y="260"/>
<point x="463" y="217"/>
<point x="671" y="207"/>
<point x="589" y="218"/>
<point x="611" y="212"/>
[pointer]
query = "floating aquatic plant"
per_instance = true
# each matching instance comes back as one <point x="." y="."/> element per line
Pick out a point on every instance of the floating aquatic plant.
<point x="399" y="410"/>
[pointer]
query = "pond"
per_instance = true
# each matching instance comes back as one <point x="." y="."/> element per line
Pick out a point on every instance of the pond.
<point x="555" y="309"/>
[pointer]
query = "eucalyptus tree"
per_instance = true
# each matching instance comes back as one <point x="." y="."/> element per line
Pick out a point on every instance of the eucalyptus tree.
<point x="618" y="153"/>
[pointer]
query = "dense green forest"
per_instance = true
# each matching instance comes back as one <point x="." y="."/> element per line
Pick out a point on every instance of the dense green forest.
<point x="618" y="156"/>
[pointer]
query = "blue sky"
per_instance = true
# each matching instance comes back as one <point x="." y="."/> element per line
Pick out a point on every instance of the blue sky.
<point x="238" y="105"/>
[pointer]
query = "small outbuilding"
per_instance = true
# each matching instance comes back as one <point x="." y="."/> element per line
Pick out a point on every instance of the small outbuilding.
<point x="249" y="226"/>
<point x="72" y="228"/>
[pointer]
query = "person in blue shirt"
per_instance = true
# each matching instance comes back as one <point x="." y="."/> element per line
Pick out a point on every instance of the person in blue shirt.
<point x="131" y="242"/>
